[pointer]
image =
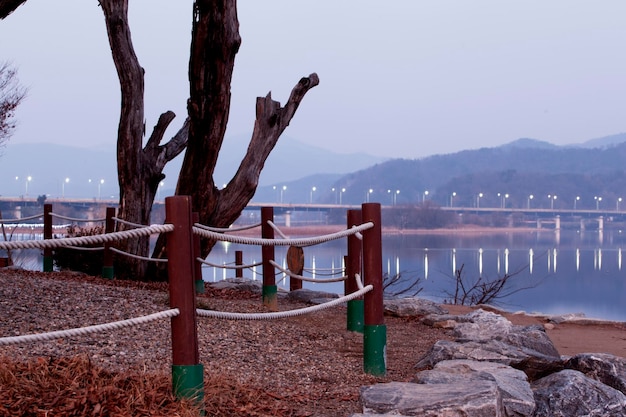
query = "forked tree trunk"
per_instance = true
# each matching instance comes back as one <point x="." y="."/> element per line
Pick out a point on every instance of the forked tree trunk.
<point x="140" y="170"/>
<point x="215" y="42"/>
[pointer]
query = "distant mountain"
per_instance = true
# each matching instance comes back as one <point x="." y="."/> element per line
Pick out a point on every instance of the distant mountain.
<point x="514" y="171"/>
<point x="49" y="165"/>
<point x="605" y="141"/>
<point x="530" y="143"/>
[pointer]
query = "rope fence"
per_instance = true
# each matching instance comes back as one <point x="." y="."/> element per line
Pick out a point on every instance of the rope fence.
<point x="77" y="220"/>
<point x="12" y="340"/>
<point x="183" y="264"/>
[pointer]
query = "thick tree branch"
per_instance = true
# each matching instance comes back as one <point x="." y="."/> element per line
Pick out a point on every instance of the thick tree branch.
<point x="8" y="6"/>
<point x="271" y="121"/>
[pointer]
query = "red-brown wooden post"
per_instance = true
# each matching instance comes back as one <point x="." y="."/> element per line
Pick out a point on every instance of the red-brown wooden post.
<point x="238" y="263"/>
<point x="295" y="263"/>
<point x="375" y="331"/>
<point x="353" y="267"/>
<point x="270" y="297"/>
<point x="187" y="372"/>
<point x="199" y="282"/>
<point x="47" y="234"/>
<point x="107" y="261"/>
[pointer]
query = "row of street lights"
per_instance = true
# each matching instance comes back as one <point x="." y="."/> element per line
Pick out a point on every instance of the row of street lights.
<point x="65" y="181"/>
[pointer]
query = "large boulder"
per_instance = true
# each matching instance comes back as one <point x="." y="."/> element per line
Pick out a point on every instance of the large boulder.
<point x="603" y="367"/>
<point x="470" y="398"/>
<point x="570" y="393"/>
<point x="411" y="307"/>
<point x="517" y="397"/>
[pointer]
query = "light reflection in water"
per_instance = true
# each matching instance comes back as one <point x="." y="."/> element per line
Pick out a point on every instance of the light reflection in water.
<point x="506" y="261"/>
<point x="435" y="259"/>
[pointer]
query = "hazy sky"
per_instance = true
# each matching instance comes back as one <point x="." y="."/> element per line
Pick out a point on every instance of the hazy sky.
<point x="404" y="78"/>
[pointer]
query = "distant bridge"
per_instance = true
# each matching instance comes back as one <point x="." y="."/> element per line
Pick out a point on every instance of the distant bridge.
<point x="8" y="204"/>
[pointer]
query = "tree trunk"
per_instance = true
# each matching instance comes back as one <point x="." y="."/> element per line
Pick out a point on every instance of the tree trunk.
<point x="139" y="170"/>
<point x="215" y="42"/>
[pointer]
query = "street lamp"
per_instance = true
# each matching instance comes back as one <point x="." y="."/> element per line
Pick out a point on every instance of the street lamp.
<point x="530" y="197"/>
<point x="395" y="197"/>
<point x="367" y="196"/>
<point x="282" y="190"/>
<point x="424" y="196"/>
<point x="598" y="199"/>
<point x="480" y="195"/>
<point x="504" y="197"/>
<point x="99" y="187"/>
<point x="619" y="200"/>
<point x="313" y="189"/>
<point x="161" y="184"/>
<point x="63" y="187"/>
<point x="452" y="198"/>
<point x="343" y="190"/>
<point x="551" y="198"/>
<point x="576" y="201"/>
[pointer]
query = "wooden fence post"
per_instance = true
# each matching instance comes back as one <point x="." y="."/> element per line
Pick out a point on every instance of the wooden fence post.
<point x="375" y="331"/>
<point x="107" y="261"/>
<point x="238" y="263"/>
<point x="353" y="267"/>
<point x="199" y="282"/>
<point x="187" y="372"/>
<point x="47" y="234"/>
<point x="270" y="296"/>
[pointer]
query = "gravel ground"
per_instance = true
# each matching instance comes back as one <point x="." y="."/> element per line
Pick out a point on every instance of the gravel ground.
<point x="310" y="361"/>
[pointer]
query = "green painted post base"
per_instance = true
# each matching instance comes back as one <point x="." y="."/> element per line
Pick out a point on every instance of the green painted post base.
<point x="107" y="272"/>
<point x="356" y="315"/>
<point x="199" y="286"/>
<point x="47" y="264"/>
<point x="375" y="349"/>
<point x="188" y="382"/>
<point x="270" y="297"/>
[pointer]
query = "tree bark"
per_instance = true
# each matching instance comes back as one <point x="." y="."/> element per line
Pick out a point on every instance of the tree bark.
<point x="215" y="42"/>
<point x="140" y="170"/>
<point x="8" y="6"/>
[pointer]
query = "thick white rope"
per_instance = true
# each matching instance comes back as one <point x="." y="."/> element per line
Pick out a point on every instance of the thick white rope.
<point x="87" y="240"/>
<point x="282" y="314"/>
<point x="226" y="229"/>
<point x="127" y="223"/>
<point x="358" y="234"/>
<point x="281" y="242"/>
<point x="307" y="279"/>
<point x="36" y="216"/>
<point x="141" y="258"/>
<point x="276" y="229"/>
<point x="74" y="219"/>
<point x="89" y="329"/>
<point x="202" y="261"/>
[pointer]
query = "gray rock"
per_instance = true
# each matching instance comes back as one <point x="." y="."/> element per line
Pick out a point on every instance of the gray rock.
<point x="409" y="307"/>
<point x="306" y="295"/>
<point x="482" y="325"/>
<point x="471" y="399"/>
<point x="239" y="284"/>
<point x="570" y="393"/>
<point x="530" y="337"/>
<point x="517" y="397"/>
<point x="603" y="367"/>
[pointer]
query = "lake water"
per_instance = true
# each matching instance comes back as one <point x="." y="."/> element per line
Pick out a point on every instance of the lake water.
<point x="553" y="272"/>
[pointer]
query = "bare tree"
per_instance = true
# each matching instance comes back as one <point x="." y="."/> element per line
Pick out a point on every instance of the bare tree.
<point x="11" y="95"/>
<point x="139" y="168"/>
<point x="481" y="290"/>
<point x="8" y="6"/>
<point x="215" y="42"/>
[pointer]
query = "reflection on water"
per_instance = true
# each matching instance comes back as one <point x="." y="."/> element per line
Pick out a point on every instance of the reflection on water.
<point x="554" y="273"/>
